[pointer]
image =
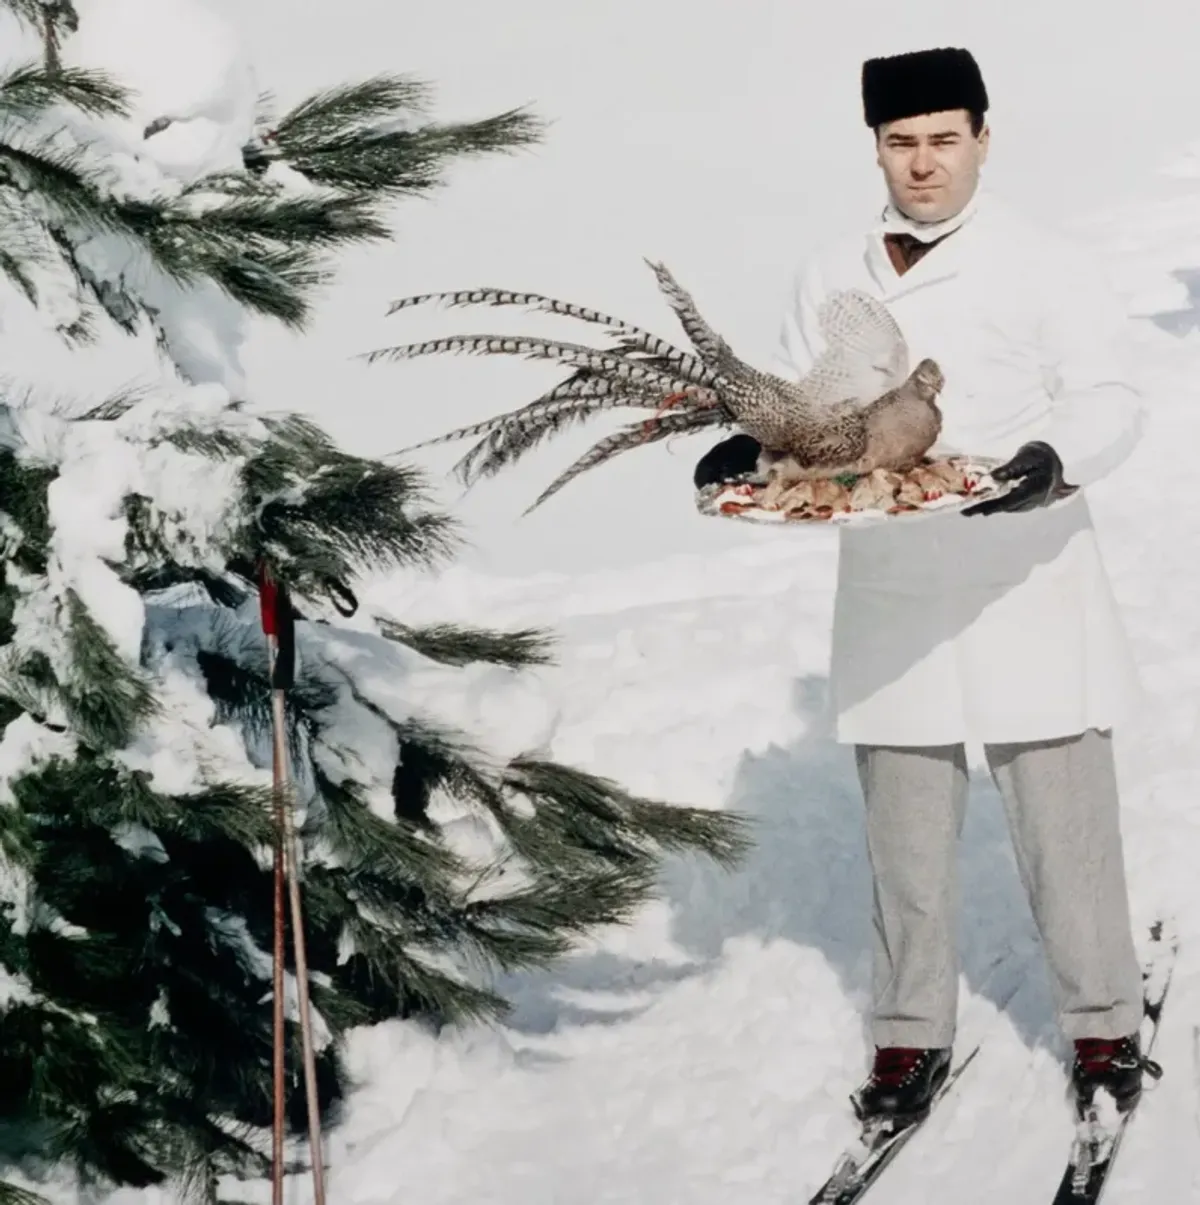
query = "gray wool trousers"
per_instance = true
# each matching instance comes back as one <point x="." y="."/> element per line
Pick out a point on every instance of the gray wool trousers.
<point x="1060" y="798"/>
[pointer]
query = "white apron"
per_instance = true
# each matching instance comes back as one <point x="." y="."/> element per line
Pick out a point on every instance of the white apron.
<point x="1000" y="628"/>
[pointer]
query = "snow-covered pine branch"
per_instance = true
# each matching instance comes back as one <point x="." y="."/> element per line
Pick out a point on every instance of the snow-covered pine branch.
<point x="376" y="137"/>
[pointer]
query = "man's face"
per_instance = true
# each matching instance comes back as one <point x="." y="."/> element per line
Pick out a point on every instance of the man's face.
<point x="931" y="163"/>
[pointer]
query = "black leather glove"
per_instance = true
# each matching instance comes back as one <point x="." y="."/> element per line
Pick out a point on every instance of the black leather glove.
<point x="734" y="457"/>
<point x="1039" y="475"/>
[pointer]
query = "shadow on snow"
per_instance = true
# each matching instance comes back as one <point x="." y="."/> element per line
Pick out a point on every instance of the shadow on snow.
<point x="807" y="881"/>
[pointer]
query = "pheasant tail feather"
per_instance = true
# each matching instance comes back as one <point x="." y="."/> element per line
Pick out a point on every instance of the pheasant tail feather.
<point x="651" y="431"/>
<point x="633" y="338"/>
<point x="711" y="347"/>
<point x="610" y="364"/>
<point x="507" y="442"/>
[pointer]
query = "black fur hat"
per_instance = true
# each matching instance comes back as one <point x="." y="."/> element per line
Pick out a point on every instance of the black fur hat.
<point x="924" y="81"/>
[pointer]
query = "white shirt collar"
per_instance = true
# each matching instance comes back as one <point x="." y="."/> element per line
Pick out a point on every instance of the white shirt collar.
<point x="892" y="221"/>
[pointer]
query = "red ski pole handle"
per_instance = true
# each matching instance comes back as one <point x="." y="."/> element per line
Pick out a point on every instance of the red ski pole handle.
<point x="278" y="621"/>
<point x="268" y="602"/>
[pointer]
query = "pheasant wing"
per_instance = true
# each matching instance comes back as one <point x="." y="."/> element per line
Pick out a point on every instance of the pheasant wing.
<point x="865" y="353"/>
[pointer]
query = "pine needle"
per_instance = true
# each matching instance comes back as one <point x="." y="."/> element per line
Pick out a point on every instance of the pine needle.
<point x="14" y="1194"/>
<point x="365" y="138"/>
<point x="348" y="107"/>
<point x="452" y="644"/>
<point x="27" y="91"/>
<point x="106" y="699"/>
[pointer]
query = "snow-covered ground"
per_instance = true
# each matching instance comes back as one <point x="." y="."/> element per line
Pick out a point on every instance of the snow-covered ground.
<point x="705" y="1055"/>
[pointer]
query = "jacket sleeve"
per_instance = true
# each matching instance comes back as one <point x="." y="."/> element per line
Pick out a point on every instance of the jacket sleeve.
<point x="1096" y="405"/>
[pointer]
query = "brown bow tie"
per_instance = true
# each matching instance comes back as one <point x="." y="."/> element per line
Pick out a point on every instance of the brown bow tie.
<point x="905" y="250"/>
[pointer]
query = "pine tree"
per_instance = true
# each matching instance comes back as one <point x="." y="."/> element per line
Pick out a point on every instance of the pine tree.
<point x="135" y="899"/>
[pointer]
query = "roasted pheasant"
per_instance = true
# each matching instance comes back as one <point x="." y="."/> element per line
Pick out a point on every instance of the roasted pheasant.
<point x="857" y="410"/>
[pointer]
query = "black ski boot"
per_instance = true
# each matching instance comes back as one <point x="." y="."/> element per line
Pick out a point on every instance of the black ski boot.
<point x="1114" y="1064"/>
<point x="902" y="1084"/>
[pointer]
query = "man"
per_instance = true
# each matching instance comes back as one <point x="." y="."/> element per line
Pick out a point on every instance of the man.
<point x="999" y="628"/>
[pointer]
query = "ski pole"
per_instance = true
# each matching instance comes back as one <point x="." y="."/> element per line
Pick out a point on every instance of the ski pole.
<point x="268" y="601"/>
<point x="279" y="628"/>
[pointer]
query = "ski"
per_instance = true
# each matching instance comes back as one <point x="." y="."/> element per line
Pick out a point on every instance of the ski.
<point x="1098" y="1138"/>
<point x="880" y="1142"/>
